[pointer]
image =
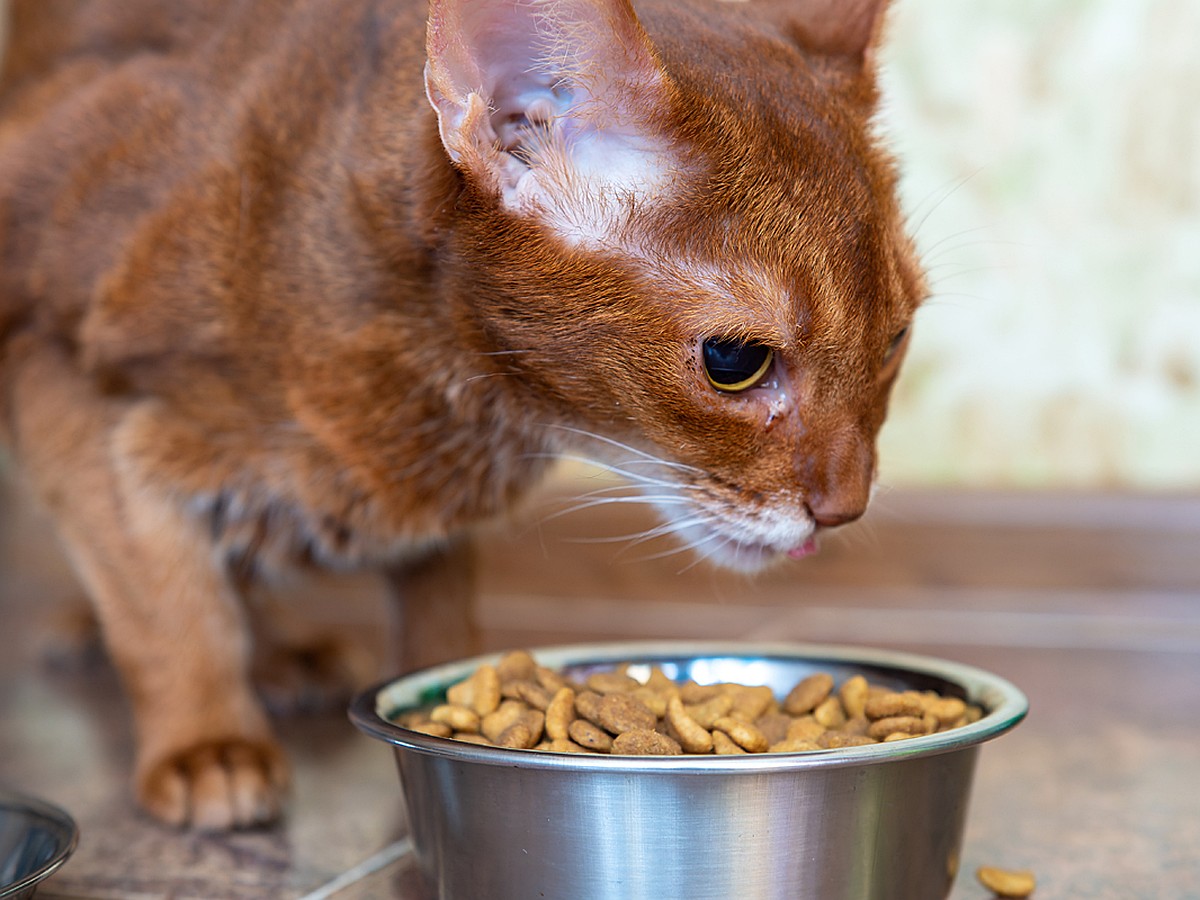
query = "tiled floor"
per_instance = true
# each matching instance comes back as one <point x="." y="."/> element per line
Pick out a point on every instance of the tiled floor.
<point x="1090" y="603"/>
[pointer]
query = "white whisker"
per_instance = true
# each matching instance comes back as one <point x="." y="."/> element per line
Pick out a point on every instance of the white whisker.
<point x="489" y="375"/>
<point x="648" y="500"/>
<point x="640" y="537"/>
<point x="635" y="477"/>
<point x="927" y="253"/>
<point x="687" y="545"/>
<point x="626" y="447"/>
<point x="948" y="190"/>
<point x="702" y="556"/>
<point x="611" y="468"/>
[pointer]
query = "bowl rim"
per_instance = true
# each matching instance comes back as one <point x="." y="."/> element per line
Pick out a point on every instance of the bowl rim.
<point x="1006" y="707"/>
<point x="53" y="816"/>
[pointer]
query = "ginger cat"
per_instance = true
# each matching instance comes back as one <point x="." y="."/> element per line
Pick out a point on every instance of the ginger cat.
<point x="270" y="296"/>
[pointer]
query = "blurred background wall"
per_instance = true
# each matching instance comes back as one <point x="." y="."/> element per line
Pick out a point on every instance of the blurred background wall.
<point x="1051" y="158"/>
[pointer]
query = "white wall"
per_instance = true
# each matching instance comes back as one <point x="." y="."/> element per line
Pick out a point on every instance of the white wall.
<point x="1052" y="159"/>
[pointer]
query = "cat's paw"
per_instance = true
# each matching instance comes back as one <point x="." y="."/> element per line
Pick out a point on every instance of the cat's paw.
<point x="217" y="785"/>
<point x="319" y="676"/>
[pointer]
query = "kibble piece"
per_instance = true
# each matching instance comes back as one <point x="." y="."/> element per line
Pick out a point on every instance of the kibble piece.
<point x="774" y="726"/>
<point x="833" y="740"/>
<point x="751" y="702"/>
<point x="516" y="665"/>
<point x="947" y="710"/>
<point x="549" y="679"/>
<point x="710" y="710"/>
<point x="1006" y="883"/>
<point x="829" y="713"/>
<point x="611" y="682"/>
<point x="517" y="737"/>
<point x="806" y="728"/>
<point x="619" y="713"/>
<point x="481" y="692"/>
<point x="661" y="681"/>
<point x="857" y="725"/>
<point x="809" y="692"/>
<point x="653" y="700"/>
<point x="645" y="742"/>
<point x="472" y="737"/>
<point x="563" y="745"/>
<point x="853" y="694"/>
<point x="459" y="718"/>
<point x="692" y="737"/>
<point x="908" y="724"/>
<point x="435" y="729"/>
<point x="691" y="693"/>
<point x="590" y="736"/>
<point x="533" y="694"/>
<point x="560" y="713"/>
<point x="535" y="721"/>
<point x="505" y="715"/>
<point x="587" y="705"/>
<point x="890" y="705"/>
<point x="791" y="745"/>
<point x="723" y="745"/>
<point x="743" y="734"/>
<point x="411" y="718"/>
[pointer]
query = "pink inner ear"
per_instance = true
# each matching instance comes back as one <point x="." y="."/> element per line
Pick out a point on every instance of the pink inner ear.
<point x="532" y="62"/>
<point x="538" y="99"/>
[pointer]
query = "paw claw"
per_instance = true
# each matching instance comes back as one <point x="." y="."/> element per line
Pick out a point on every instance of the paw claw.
<point x="217" y="785"/>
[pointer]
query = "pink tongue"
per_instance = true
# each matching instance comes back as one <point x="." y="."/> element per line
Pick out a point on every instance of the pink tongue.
<point x="808" y="548"/>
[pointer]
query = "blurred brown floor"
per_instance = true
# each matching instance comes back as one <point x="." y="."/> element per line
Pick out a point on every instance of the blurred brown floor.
<point x="1090" y="603"/>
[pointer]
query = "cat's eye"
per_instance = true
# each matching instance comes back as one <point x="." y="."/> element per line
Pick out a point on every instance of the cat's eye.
<point x="895" y="345"/>
<point x="733" y="365"/>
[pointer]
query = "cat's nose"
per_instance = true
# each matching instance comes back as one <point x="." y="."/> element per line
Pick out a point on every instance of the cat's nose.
<point x="832" y="516"/>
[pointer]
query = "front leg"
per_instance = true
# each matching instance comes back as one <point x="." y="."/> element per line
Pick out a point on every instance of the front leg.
<point x="172" y="621"/>
<point x="433" y="598"/>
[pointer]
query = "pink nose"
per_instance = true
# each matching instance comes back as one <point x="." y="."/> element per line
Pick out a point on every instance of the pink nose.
<point x="832" y="517"/>
<point x="836" y="477"/>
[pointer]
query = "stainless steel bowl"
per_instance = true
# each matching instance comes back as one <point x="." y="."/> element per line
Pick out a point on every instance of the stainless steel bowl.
<point x="883" y="821"/>
<point x="35" y="839"/>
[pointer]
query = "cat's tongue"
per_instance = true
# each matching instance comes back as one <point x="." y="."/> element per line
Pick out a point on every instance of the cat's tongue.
<point x="808" y="548"/>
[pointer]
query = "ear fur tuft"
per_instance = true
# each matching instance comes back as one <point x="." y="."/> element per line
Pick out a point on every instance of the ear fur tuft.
<point x="538" y="99"/>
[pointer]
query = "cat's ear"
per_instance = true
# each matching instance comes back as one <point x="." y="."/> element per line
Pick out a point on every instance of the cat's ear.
<point x="850" y="28"/>
<point x="534" y="96"/>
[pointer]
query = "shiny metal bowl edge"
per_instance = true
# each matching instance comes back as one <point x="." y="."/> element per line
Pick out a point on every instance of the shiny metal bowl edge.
<point x="881" y="822"/>
<point x="36" y="838"/>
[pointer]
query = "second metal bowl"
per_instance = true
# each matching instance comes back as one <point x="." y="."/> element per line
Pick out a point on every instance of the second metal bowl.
<point x="35" y="839"/>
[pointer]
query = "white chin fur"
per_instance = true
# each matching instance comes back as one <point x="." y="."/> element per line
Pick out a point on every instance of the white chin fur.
<point x="741" y="544"/>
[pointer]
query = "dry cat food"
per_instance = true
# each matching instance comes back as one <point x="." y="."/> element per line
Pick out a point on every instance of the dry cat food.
<point x="520" y="704"/>
<point x="1012" y="885"/>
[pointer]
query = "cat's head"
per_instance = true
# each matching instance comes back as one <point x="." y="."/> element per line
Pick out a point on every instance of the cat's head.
<point x="692" y="245"/>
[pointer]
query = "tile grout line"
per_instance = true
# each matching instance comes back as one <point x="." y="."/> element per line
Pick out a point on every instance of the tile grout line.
<point x="385" y="857"/>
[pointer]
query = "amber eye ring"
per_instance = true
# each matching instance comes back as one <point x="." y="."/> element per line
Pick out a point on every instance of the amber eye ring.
<point x="733" y="366"/>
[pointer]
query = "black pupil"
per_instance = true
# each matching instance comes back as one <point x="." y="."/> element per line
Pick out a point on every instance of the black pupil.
<point x="732" y="362"/>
